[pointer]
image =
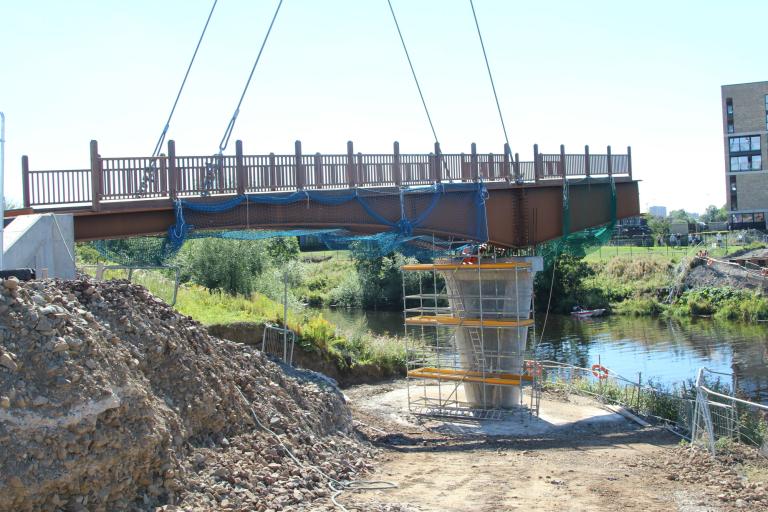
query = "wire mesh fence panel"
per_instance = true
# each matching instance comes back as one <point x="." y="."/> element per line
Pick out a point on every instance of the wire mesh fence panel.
<point x="278" y="342"/>
<point x="721" y="418"/>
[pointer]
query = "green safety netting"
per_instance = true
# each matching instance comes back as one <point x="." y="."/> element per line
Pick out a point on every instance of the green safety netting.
<point x="581" y="242"/>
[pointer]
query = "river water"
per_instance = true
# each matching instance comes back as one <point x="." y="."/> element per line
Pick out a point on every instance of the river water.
<point x="665" y="352"/>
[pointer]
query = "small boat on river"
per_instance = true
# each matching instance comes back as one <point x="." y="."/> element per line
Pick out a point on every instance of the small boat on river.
<point x="586" y="313"/>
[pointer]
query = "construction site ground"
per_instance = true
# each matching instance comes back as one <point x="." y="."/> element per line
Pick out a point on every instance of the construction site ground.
<point x="581" y="461"/>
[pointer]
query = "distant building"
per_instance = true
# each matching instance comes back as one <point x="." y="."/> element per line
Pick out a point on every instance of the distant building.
<point x="745" y="135"/>
<point x="658" y="211"/>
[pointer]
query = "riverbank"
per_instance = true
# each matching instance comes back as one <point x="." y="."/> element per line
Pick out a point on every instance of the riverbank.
<point x="350" y="356"/>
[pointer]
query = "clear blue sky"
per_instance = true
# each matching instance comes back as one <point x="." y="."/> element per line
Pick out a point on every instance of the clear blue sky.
<point x="645" y="74"/>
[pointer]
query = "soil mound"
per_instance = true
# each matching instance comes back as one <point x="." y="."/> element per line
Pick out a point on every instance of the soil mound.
<point x="111" y="400"/>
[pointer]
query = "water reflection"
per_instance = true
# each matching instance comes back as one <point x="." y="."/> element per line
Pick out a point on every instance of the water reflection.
<point x="663" y="351"/>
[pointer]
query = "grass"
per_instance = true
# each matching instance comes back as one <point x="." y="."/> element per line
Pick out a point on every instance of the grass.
<point x="722" y="303"/>
<point x="325" y="271"/>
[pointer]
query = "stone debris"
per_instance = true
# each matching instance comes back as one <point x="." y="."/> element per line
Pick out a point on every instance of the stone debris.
<point x="724" y="478"/>
<point x="111" y="400"/>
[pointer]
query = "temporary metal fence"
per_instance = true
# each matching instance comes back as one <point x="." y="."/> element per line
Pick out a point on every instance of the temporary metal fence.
<point x="673" y="408"/>
<point x="705" y="412"/>
<point x="720" y="418"/>
<point x="162" y="282"/>
<point x="278" y="342"/>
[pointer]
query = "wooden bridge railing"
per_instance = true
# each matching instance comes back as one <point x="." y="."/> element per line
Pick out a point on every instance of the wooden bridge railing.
<point x="111" y="180"/>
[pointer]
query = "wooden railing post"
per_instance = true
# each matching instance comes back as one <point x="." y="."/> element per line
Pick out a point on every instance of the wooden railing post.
<point x="536" y="163"/>
<point x="474" y="164"/>
<point x="508" y="173"/>
<point x="586" y="161"/>
<point x="300" y="176"/>
<point x="437" y="169"/>
<point x="96" y="187"/>
<point x="318" y="170"/>
<point x="350" y="165"/>
<point x="397" y="173"/>
<point x="610" y="162"/>
<point x="359" y="175"/>
<point x="562" y="160"/>
<point x="173" y="171"/>
<point x="629" y="161"/>
<point x="241" y="175"/>
<point x="25" y="181"/>
<point x="518" y="175"/>
<point x="272" y="172"/>
<point x="491" y="167"/>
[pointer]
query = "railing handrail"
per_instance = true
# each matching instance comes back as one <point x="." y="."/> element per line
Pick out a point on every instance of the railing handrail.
<point x="173" y="175"/>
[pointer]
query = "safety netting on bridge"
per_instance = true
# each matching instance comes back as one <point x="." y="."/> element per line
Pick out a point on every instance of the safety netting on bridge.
<point x="398" y="223"/>
<point x="395" y="222"/>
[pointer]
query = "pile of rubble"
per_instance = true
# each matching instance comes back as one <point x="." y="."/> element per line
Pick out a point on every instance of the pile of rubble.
<point x="110" y="399"/>
<point x="733" y="480"/>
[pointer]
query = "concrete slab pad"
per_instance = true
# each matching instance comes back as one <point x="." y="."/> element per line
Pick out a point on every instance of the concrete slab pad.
<point x="555" y="416"/>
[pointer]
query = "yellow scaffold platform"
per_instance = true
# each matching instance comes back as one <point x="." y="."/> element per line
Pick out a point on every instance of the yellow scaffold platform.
<point x="466" y="322"/>
<point x="499" y="379"/>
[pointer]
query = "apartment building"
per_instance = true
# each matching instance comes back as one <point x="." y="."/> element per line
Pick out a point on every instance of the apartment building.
<point x="745" y="134"/>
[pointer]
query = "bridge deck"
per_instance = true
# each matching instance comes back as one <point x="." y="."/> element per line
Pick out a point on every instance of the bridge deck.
<point x="117" y="197"/>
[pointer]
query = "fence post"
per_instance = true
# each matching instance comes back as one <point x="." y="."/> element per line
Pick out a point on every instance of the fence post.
<point x="240" y="173"/>
<point x="318" y="170"/>
<point x="350" y="165"/>
<point x="25" y="180"/>
<point x="629" y="161"/>
<point x="300" y="177"/>
<point x="397" y="173"/>
<point x="272" y="172"/>
<point x="96" y="187"/>
<point x="536" y="163"/>
<point x="437" y="169"/>
<point x="586" y="161"/>
<point x="562" y="160"/>
<point x="507" y="168"/>
<point x="173" y="172"/>
<point x="610" y="162"/>
<point x="518" y="176"/>
<point x="475" y="167"/>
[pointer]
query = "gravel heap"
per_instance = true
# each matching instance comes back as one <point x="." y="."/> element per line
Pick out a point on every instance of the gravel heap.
<point x="733" y="480"/>
<point x="111" y="400"/>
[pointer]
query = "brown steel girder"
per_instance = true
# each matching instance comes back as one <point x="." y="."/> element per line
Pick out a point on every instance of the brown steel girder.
<point x="518" y="216"/>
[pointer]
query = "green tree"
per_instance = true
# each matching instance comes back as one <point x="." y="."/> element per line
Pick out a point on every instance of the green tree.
<point x="715" y="214"/>
<point x="566" y="285"/>
<point x="680" y="216"/>
<point x="283" y="249"/>
<point x="227" y="265"/>
<point x="659" y="226"/>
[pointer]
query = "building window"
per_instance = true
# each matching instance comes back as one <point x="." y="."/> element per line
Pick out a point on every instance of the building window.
<point x="760" y="217"/>
<point x="746" y="163"/>
<point x="729" y="106"/>
<point x="730" y="124"/>
<point x="734" y="202"/>
<point x="744" y="144"/>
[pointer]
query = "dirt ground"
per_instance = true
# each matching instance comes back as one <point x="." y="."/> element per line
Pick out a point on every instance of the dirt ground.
<point x="583" y="466"/>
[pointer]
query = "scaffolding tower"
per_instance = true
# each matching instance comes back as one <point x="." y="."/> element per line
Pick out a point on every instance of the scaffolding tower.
<point x="466" y="337"/>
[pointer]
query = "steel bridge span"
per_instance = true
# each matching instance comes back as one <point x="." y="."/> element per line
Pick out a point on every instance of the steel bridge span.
<point x="133" y="196"/>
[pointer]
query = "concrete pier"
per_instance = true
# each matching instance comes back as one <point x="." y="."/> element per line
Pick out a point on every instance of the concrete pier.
<point x="497" y="302"/>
